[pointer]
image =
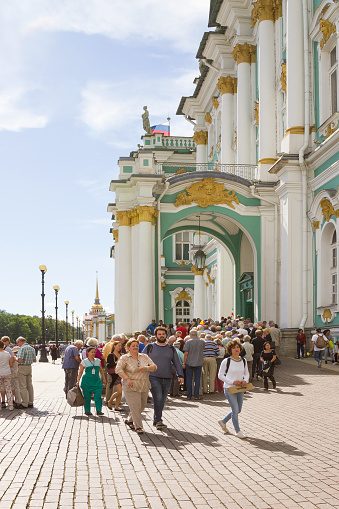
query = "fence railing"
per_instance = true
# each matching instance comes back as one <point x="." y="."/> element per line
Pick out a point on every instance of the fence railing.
<point x="245" y="171"/>
<point x="178" y="142"/>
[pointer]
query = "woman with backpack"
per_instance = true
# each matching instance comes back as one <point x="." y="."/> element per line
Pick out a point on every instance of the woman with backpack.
<point x="318" y="346"/>
<point x="233" y="372"/>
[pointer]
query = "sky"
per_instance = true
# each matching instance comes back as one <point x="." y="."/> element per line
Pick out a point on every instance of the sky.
<point x="74" y="77"/>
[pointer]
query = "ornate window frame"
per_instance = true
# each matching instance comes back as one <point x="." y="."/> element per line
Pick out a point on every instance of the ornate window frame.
<point x="179" y="294"/>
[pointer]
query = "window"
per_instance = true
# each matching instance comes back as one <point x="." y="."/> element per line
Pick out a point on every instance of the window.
<point x="334" y="288"/>
<point x="334" y="250"/>
<point x="182" y="246"/>
<point x="182" y="311"/>
<point x="334" y="80"/>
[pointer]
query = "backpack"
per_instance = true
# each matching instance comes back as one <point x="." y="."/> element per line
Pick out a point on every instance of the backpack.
<point x="228" y="362"/>
<point x="320" y="341"/>
<point x="149" y="348"/>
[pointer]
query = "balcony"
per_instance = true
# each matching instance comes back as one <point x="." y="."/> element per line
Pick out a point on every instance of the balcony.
<point x="247" y="172"/>
<point x="178" y="142"/>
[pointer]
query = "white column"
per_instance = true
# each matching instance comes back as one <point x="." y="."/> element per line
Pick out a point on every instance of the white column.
<point x="116" y="278"/>
<point x="199" y="306"/>
<point x="124" y="273"/>
<point x="210" y="301"/>
<point x="135" y="248"/>
<point x="146" y="300"/>
<point x="226" y="86"/>
<point x="295" y="99"/>
<point x="243" y="54"/>
<point x="201" y="137"/>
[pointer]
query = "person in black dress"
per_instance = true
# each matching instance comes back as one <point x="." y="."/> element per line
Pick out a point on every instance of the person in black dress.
<point x="268" y="356"/>
<point x="115" y="380"/>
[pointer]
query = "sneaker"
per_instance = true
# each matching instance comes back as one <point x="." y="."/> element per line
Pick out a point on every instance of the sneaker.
<point x="88" y="413"/>
<point x="240" y="434"/>
<point x="100" y="413"/>
<point x="160" y="425"/>
<point x="11" y="407"/>
<point x="259" y="378"/>
<point x="223" y="426"/>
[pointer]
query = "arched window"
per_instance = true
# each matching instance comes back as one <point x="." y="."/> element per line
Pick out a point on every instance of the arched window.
<point x="334" y="272"/>
<point x="182" y="311"/>
<point x="328" y="275"/>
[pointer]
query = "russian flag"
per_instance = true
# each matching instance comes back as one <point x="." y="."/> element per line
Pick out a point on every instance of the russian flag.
<point x="161" y="129"/>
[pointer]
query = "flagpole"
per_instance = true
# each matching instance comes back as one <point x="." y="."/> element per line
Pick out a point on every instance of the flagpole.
<point x="169" y="125"/>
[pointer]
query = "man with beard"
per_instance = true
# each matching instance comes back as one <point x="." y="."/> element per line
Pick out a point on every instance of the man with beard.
<point x="164" y="356"/>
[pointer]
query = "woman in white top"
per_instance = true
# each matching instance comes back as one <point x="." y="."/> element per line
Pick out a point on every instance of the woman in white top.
<point x="233" y="371"/>
<point x="6" y="362"/>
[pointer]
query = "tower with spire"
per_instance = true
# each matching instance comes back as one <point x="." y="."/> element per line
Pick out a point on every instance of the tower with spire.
<point x="98" y="324"/>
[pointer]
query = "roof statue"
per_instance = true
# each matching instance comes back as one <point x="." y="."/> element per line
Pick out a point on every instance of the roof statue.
<point x="145" y="121"/>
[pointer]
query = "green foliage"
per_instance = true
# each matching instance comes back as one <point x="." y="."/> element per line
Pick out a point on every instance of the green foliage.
<point x="30" y="328"/>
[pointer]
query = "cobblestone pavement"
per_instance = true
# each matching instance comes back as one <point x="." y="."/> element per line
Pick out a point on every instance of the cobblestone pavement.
<point x="52" y="456"/>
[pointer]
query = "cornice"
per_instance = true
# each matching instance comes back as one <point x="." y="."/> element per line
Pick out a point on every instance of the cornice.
<point x="323" y="152"/>
<point x="326" y="176"/>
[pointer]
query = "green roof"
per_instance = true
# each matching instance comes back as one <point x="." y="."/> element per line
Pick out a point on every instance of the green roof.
<point x="214" y="11"/>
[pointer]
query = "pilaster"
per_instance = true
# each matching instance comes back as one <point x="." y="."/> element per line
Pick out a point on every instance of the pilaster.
<point x="227" y="85"/>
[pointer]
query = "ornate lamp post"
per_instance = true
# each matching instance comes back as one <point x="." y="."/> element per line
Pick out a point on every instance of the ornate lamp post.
<point x="43" y="356"/>
<point x="56" y="289"/>
<point x="73" y="325"/>
<point x="199" y="257"/>
<point x="77" y="326"/>
<point x="66" y="302"/>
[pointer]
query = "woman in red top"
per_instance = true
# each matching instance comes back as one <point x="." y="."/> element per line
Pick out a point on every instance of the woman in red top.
<point x="183" y="329"/>
<point x="301" y="342"/>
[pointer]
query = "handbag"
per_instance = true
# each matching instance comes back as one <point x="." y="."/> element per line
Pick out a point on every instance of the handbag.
<point x="237" y="388"/>
<point x="75" y="397"/>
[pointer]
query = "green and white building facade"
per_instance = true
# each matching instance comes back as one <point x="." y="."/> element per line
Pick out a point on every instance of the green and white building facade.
<point x="260" y="174"/>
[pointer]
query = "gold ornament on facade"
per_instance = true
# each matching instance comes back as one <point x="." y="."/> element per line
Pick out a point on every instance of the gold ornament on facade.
<point x="200" y="137"/>
<point x="197" y="272"/>
<point x="210" y="279"/>
<point x="316" y="225"/>
<point x="283" y="77"/>
<point x="123" y="217"/>
<point x="115" y="235"/>
<point x="244" y="53"/>
<point x="183" y="295"/>
<point x="218" y="147"/>
<point x="331" y="128"/>
<point x="266" y="10"/>
<point x="327" y="316"/>
<point x="205" y="193"/>
<point x="215" y="103"/>
<point x="208" y="118"/>
<point x="328" y="209"/>
<point x="235" y="138"/>
<point x="327" y="29"/>
<point x="147" y="214"/>
<point x="256" y="112"/>
<point x="134" y="217"/>
<point x="163" y="285"/>
<point x="227" y="85"/>
<point x="180" y="171"/>
<point x="183" y="263"/>
<point x="211" y="154"/>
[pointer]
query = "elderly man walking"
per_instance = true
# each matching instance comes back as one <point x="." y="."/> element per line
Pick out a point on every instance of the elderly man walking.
<point x="193" y="361"/>
<point x="71" y="365"/>
<point x="26" y="356"/>
<point x="211" y="352"/>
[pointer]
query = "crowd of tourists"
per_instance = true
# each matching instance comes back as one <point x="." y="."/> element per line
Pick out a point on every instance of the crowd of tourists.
<point x="188" y="360"/>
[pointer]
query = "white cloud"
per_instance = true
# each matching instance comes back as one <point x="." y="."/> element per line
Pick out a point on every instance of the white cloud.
<point x="152" y="20"/>
<point x="14" y="115"/>
<point x="109" y="109"/>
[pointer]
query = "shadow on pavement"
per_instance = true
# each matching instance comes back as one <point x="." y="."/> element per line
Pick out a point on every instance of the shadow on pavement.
<point x="267" y="445"/>
<point x="172" y="439"/>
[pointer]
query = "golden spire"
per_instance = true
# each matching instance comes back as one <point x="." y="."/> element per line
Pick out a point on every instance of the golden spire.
<point x="96" y="306"/>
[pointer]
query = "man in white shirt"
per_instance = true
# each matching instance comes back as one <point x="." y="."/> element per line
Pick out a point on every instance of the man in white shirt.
<point x="318" y="346"/>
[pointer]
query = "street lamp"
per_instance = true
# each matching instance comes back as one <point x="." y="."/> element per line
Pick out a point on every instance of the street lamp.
<point x="77" y="326"/>
<point x="199" y="257"/>
<point x="43" y="356"/>
<point x="56" y="289"/>
<point x="66" y="302"/>
<point x="73" y="324"/>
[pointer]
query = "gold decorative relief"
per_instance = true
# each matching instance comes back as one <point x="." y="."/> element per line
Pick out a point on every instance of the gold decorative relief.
<point x="205" y="193"/>
<point x="328" y="209"/>
<point x="210" y="279"/>
<point x="208" y="118"/>
<point x="183" y="295"/>
<point x="244" y="53"/>
<point x="227" y="85"/>
<point x="316" y="225"/>
<point x="123" y="217"/>
<point x="266" y="10"/>
<point x="331" y="128"/>
<point x="327" y="29"/>
<point x="283" y="76"/>
<point x="147" y="214"/>
<point x="215" y="103"/>
<point x="256" y="112"/>
<point x="200" y="137"/>
<point x="115" y="235"/>
<point x="180" y="171"/>
<point x="163" y="285"/>
<point x="327" y="316"/>
<point x="197" y="272"/>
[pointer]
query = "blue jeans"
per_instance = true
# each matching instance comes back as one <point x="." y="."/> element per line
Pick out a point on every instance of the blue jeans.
<point x="300" y="350"/>
<point x="235" y="401"/>
<point x="159" y="388"/>
<point x="190" y="370"/>
<point x="318" y="355"/>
